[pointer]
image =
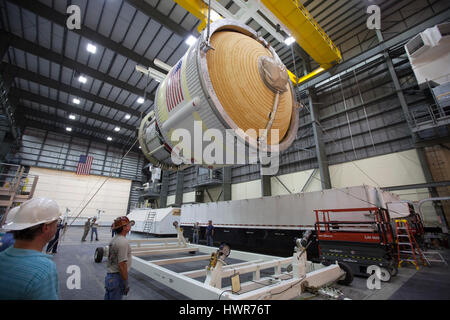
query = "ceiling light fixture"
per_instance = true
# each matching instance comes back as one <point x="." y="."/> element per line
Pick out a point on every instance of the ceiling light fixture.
<point x="127" y="117"/>
<point x="72" y="117"/>
<point x="76" y="101"/>
<point x="82" y="79"/>
<point x="91" y="48"/>
<point x="289" y="41"/>
<point x="116" y="129"/>
<point x="109" y="139"/>
<point x="215" y="16"/>
<point x="190" y="40"/>
<point x="140" y="100"/>
<point x="69" y="129"/>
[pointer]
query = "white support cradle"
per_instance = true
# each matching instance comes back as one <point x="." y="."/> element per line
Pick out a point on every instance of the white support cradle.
<point x="281" y="285"/>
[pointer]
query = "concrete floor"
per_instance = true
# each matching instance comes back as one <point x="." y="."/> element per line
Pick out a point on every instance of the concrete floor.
<point x="427" y="283"/>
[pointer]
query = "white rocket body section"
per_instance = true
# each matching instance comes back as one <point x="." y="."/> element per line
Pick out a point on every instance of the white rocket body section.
<point x="429" y="54"/>
<point x="186" y="96"/>
<point x="294" y="211"/>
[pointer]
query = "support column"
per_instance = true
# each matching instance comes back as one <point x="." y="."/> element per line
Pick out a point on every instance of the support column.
<point x="398" y="87"/>
<point x="4" y="46"/>
<point x="179" y="189"/>
<point x="322" y="159"/>
<point x="318" y="141"/>
<point x="433" y="191"/>
<point x="226" y="184"/>
<point x="405" y="108"/>
<point x="266" y="189"/>
<point x="164" y="189"/>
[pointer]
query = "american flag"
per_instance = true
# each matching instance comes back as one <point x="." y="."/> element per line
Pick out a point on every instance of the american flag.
<point x="174" y="94"/>
<point x="84" y="164"/>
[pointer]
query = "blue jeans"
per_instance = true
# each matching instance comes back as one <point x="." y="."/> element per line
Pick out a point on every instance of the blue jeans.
<point x="114" y="286"/>
<point x="92" y="233"/>
<point x="209" y="240"/>
<point x="52" y="245"/>
<point x="195" y="237"/>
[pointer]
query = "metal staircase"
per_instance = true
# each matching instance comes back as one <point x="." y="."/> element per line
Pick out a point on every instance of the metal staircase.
<point x="16" y="187"/>
<point x="407" y="247"/>
<point x="149" y="222"/>
<point x="433" y="256"/>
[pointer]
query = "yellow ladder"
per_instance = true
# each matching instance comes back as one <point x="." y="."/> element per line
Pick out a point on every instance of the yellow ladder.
<point x="407" y="248"/>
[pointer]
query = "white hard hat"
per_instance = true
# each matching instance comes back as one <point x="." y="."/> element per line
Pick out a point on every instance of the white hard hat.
<point x="34" y="212"/>
<point x="10" y="216"/>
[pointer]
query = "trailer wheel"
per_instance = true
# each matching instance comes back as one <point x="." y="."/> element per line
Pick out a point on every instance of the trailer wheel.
<point x="393" y="271"/>
<point x="326" y="263"/>
<point x="385" y="275"/>
<point x="98" y="256"/>
<point x="348" y="274"/>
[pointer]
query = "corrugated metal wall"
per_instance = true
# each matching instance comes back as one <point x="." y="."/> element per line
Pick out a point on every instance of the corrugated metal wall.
<point x="45" y="149"/>
<point x="361" y="117"/>
<point x="134" y="195"/>
<point x="360" y="111"/>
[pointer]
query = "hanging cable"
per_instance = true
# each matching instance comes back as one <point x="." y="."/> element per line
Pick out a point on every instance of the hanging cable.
<point x="342" y="150"/>
<point x="84" y="207"/>
<point x="345" y="156"/>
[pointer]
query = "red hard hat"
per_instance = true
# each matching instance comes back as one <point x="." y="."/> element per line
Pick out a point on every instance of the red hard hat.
<point x="122" y="221"/>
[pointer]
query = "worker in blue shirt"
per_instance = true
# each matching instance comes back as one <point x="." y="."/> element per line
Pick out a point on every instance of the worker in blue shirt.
<point x="209" y="234"/>
<point x="26" y="272"/>
<point x="7" y="239"/>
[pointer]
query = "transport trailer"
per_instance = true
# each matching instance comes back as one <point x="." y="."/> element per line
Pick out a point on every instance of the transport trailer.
<point x="357" y="243"/>
<point x="269" y="225"/>
<point x="277" y="242"/>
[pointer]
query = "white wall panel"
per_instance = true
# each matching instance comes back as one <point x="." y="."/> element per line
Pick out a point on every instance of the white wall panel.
<point x="293" y="181"/>
<point x="170" y="200"/>
<point x="189" y="197"/>
<point x="214" y="192"/>
<point x="246" y="190"/>
<point x="401" y="168"/>
<point x="72" y="191"/>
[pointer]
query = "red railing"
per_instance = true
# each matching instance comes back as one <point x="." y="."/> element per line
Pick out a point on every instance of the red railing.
<point x="379" y="230"/>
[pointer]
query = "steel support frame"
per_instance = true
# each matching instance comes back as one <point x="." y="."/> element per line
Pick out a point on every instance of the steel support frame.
<point x="266" y="189"/>
<point x="179" y="189"/>
<point x="322" y="159"/>
<point x="397" y="86"/>
<point x="22" y="94"/>
<point x="40" y="125"/>
<point x="60" y="19"/>
<point x="164" y="189"/>
<point x="226" y="184"/>
<point x="418" y="186"/>
<point x="40" y="51"/>
<point x="399" y="39"/>
<point x="405" y="108"/>
<point x="4" y="47"/>
<point x="287" y="284"/>
<point x="34" y="113"/>
<point x="18" y="72"/>
<point x="429" y="179"/>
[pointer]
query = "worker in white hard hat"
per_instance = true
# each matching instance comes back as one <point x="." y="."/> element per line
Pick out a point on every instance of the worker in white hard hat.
<point x="26" y="272"/>
<point x="7" y="239"/>
<point x="119" y="260"/>
<point x="87" y="226"/>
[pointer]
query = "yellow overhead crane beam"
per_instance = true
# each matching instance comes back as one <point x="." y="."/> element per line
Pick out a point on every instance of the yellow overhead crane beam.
<point x="294" y="16"/>
<point x="198" y="8"/>
<point x="307" y="32"/>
